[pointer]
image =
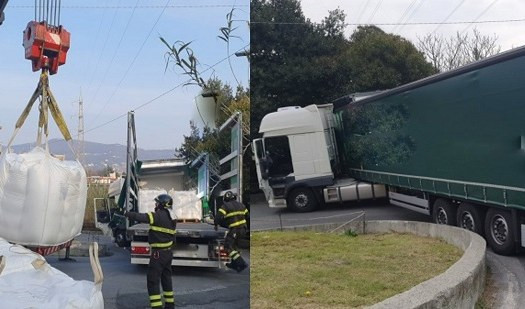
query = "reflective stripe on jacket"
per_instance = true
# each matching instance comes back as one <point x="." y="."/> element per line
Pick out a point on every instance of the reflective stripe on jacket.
<point x="162" y="228"/>
<point x="231" y="214"/>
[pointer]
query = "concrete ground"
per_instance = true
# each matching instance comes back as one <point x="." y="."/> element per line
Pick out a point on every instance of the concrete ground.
<point x="507" y="286"/>
<point x="125" y="284"/>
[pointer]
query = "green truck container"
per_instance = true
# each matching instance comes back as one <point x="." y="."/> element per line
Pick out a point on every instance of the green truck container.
<point x="451" y="145"/>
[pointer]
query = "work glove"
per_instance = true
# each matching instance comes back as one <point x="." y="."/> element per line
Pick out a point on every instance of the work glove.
<point x="209" y="220"/>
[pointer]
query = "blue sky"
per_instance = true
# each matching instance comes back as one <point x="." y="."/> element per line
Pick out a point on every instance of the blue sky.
<point x="97" y="68"/>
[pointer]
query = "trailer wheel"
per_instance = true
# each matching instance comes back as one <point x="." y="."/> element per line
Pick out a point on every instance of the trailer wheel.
<point x="302" y="200"/>
<point x="444" y="212"/>
<point x="471" y="218"/>
<point x="498" y="231"/>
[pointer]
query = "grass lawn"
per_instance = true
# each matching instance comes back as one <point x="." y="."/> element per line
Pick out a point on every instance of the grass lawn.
<point x="319" y="270"/>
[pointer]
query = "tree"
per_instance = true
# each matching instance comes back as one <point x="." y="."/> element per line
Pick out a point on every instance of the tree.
<point x="210" y="141"/>
<point x="334" y="24"/>
<point x="216" y="144"/>
<point x="297" y="62"/>
<point x="379" y="60"/>
<point x="293" y="61"/>
<point x="458" y="50"/>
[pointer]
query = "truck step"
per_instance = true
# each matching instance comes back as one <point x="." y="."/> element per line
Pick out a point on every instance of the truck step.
<point x="332" y="195"/>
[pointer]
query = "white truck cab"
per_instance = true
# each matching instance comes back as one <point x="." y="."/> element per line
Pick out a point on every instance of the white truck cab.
<point x="297" y="156"/>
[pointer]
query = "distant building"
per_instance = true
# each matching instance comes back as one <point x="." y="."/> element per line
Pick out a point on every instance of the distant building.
<point x="102" y="180"/>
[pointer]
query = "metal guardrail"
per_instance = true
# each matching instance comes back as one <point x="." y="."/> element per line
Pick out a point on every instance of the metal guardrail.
<point x="356" y="215"/>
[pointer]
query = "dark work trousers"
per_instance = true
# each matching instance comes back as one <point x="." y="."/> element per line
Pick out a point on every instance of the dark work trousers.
<point x="159" y="269"/>
<point x="231" y="241"/>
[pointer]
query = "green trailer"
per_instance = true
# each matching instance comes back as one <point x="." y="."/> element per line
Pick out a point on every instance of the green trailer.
<point x="458" y="134"/>
<point x="451" y="146"/>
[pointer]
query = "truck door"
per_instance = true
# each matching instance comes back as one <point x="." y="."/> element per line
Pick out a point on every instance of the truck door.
<point x="262" y="177"/>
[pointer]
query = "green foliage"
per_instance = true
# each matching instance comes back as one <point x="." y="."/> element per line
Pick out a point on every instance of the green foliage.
<point x="182" y="56"/>
<point x="379" y="60"/>
<point x="301" y="63"/>
<point x="375" y="137"/>
<point x="293" y="64"/>
<point x="321" y="270"/>
<point x="215" y="144"/>
<point x="226" y="35"/>
<point x="350" y="233"/>
<point x="210" y="141"/>
<point x="94" y="191"/>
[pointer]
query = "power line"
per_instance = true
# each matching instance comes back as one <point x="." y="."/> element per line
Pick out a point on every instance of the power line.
<point x="92" y="50"/>
<point x="133" y="61"/>
<point x="117" y="49"/>
<point x="402" y="18"/>
<point x="204" y="71"/>
<point x="407" y="24"/>
<point x="481" y="14"/>
<point x="375" y="11"/>
<point x="189" y="6"/>
<point x="363" y="11"/>
<point x="103" y="49"/>
<point x="450" y="14"/>
<point x="165" y="92"/>
<point x="411" y="14"/>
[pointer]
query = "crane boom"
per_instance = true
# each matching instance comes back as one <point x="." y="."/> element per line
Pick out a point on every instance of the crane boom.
<point x="3" y="3"/>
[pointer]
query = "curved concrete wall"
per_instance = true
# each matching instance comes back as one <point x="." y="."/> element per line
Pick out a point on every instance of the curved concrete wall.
<point x="458" y="287"/>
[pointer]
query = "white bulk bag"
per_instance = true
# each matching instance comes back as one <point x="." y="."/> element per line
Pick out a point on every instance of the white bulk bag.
<point x="186" y="204"/>
<point x="42" y="199"/>
<point x="147" y="199"/>
<point x="27" y="281"/>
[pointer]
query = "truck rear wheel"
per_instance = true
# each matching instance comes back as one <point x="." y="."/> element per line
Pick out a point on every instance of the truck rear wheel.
<point x="444" y="212"/>
<point x="499" y="232"/>
<point x="302" y="200"/>
<point x="471" y="218"/>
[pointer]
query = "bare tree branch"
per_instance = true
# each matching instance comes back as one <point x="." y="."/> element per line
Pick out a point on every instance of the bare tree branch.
<point x="459" y="50"/>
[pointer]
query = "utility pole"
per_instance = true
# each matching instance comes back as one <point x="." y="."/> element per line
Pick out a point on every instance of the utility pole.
<point x="81" y="150"/>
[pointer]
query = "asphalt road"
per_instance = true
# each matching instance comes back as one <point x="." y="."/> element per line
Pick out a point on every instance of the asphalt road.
<point x="125" y="284"/>
<point x="262" y="217"/>
<point x="507" y="282"/>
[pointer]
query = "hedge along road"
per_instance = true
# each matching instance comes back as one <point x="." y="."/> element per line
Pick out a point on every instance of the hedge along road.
<point x="508" y="272"/>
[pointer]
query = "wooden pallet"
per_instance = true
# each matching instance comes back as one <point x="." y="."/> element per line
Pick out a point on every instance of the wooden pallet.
<point x="188" y="220"/>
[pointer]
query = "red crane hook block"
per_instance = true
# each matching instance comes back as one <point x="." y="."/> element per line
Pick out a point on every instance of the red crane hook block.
<point x="46" y="46"/>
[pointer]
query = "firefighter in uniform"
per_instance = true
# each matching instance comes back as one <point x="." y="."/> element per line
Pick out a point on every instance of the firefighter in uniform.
<point x="160" y="237"/>
<point x="232" y="215"/>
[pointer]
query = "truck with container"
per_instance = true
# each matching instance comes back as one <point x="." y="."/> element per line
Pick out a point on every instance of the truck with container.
<point x="451" y="146"/>
<point x="197" y="243"/>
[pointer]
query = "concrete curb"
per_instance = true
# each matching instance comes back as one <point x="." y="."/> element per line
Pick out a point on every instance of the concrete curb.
<point x="460" y="286"/>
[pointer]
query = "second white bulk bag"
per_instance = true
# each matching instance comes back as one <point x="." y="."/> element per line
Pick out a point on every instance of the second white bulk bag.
<point x="28" y="281"/>
<point x="42" y="199"/>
